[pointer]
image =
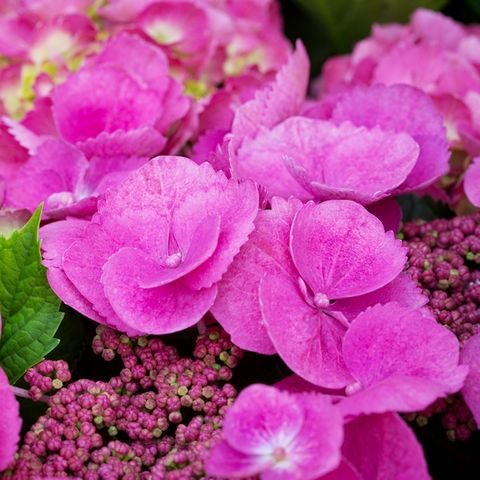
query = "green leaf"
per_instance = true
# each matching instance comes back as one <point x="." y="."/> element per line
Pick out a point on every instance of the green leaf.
<point x="29" y="308"/>
<point x="344" y="22"/>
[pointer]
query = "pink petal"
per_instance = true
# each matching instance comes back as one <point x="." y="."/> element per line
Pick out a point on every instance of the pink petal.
<point x="140" y="142"/>
<point x="56" y="237"/>
<point x="327" y="161"/>
<point x="296" y="384"/>
<point x="308" y="340"/>
<point x="158" y="310"/>
<point x="341" y="250"/>
<point x="472" y="182"/>
<point x="226" y="461"/>
<point x="383" y="447"/>
<point x="316" y="448"/>
<point x="402" y="289"/>
<point x="10" y="423"/>
<point x="56" y="167"/>
<point x="437" y="28"/>
<point x="278" y="101"/>
<point x="261" y="419"/>
<point x="102" y="99"/>
<point x="389" y="212"/>
<point x="401" y="108"/>
<point x="394" y="344"/>
<point x="140" y="58"/>
<point x="471" y="390"/>
<point x="237" y="306"/>
<point x="82" y="263"/>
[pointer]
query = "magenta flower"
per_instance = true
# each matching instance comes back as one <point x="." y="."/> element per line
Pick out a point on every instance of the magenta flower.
<point x="278" y="435"/>
<point x="151" y="257"/>
<point x="133" y="105"/>
<point x="10" y="422"/>
<point x="326" y="263"/>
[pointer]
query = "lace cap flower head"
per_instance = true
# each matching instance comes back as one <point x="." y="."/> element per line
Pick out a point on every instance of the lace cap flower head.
<point x="150" y="258"/>
<point x="275" y="434"/>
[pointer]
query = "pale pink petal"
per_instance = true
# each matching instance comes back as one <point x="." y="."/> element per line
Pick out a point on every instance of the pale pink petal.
<point x="158" y="310"/>
<point x="341" y="250"/>
<point x="390" y="343"/>
<point x="261" y="419"/>
<point x="308" y="340"/>
<point x="10" y="423"/>
<point x="389" y="212"/>
<point x="11" y="220"/>
<point x="402" y="289"/>
<point x="277" y="101"/>
<point x="237" y="306"/>
<point x="381" y="447"/>
<point x="472" y="182"/>
<point x="226" y="461"/>
<point x="401" y="108"/>
<point x="471" y="390"/>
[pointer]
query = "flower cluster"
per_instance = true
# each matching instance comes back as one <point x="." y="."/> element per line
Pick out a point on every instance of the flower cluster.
<point x="92" y="91"/>
<point x="436" y="55"/>
<point x="157" y="418"/>
<point x="185" y="174"/>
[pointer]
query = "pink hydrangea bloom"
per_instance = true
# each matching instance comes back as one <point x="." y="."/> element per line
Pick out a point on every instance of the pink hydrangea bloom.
<point x="275" y="434"/>
<point x="342" y="147"/>
<point x="10" y="422"/>
<point x="150" y="258"/>
<point x="122" y="102"/>
<point x="297" y="252"/>
<point x="11" y="220"/>
<point x="104" y="134"/>
<point x="215" y="38"/>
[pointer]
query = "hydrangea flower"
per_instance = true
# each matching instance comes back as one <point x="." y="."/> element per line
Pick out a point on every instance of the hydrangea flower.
<point x="275" y="434"/>
<point x="151" y="257"/>
<point x="341" y="147"/>
<point x="308" y="231"/>
<point x="435" y="54"/>
<point x="10" y="423"/>
<point x="103" y="136"/>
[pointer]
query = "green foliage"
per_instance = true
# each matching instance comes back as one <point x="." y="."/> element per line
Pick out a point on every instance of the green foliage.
<point x="29" y="308"/>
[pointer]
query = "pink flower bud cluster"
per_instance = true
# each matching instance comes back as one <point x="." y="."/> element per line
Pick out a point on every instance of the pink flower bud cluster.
<point x="158" y="418"/>
<point x="47" y="376"/>
<point x="444" y="259"/>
